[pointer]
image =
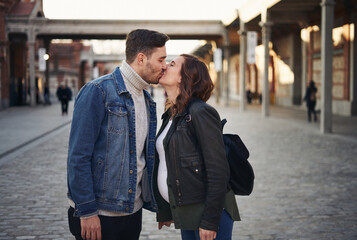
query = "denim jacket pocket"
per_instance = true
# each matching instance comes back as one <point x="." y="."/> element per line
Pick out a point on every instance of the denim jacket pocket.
<point x="117" y="119"/>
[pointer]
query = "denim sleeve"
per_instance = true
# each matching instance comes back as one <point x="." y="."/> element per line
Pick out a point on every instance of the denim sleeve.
<point x="89" y="112"/>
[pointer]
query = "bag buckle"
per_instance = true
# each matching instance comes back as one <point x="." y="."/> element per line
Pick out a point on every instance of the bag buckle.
<point x="188" y="118"/>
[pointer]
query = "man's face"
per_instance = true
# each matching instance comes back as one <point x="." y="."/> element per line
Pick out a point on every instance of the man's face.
<point x="154" y="66"/>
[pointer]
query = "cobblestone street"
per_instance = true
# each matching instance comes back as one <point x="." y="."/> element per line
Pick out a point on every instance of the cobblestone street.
<point x="305" y="188"/>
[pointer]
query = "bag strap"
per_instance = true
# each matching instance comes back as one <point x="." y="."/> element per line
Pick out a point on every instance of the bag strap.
<point x="223" y="122"/>
<point x="188" y="118"/>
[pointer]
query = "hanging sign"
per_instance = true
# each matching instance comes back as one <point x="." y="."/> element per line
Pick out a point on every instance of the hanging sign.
<point x="217" y="59"/>
<point x="252" y="41"/>
<point x="41" y="59"/>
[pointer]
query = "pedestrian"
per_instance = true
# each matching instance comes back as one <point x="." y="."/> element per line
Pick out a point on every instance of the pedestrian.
<point x="249" y="96"/>
<point x="310" y="98"/>
<point x="46" y="95"/>
<point x="112" y="147"/>
<point x="64" y="95"/>
<point x="192" y="173"/>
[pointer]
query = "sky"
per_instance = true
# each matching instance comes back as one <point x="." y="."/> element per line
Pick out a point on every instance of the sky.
<point x="142" y="10"/>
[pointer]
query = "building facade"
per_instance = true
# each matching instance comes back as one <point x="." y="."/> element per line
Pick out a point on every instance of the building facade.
<point x="295" y="56"/>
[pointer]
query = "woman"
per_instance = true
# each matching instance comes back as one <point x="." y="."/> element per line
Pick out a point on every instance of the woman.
<point x="191" y="170"/>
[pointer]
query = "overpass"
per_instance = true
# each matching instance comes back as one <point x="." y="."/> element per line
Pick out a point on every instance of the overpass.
<point x="113" y="29"/>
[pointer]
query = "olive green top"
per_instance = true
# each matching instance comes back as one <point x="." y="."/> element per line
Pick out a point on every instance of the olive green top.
<point x="189" y="217"/>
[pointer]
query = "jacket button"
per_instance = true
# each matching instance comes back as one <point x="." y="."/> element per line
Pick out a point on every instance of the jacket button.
<point x="127" y="209"/>
<point x="131" y="171"/>
<point x="130" y="134"/>
<point x="130" y="191"/>
<point x="128" y="96"/>
<point x="131" y="151"/>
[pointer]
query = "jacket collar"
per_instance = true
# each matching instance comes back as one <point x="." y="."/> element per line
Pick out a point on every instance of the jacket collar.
<point x="184" y="112"/>
<point x="119" y="81"/>
<point x="166" y="114"/>
<point x="188" y="106"/>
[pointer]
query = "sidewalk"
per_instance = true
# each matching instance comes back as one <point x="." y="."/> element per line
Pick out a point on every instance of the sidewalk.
<point x="305" y="182"/>
<point x="24" y="124"/>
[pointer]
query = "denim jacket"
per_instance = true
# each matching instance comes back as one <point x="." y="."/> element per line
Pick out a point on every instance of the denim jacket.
<point x="102" y="165"/>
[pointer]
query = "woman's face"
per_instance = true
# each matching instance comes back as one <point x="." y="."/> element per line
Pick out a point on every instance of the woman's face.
<point x="172" y="75"/>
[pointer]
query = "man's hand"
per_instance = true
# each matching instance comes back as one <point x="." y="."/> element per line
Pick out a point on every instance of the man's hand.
<point x="207" y="234"/>
<point x="167" y="224"/>
<point x="91" y="229"/>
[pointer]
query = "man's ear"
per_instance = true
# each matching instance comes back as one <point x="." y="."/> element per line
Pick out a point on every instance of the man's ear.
<point x="140" y="58"/>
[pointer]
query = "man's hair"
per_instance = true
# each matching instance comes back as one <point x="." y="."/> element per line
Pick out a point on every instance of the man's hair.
<point x="143" y="41"/>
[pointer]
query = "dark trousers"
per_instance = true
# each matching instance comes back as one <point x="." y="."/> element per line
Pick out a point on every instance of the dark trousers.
<point x="113" y="228"/>
<point x="224" y="233"/>
<point x="311" y="110"/>
<point x="64" y="105"/>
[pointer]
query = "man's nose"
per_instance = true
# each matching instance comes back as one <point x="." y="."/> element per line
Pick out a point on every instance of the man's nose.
<point x="164" y="66"/>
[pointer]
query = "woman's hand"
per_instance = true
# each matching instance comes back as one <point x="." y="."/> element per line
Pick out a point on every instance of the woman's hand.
<point x="167" y="224"/>
<point x="207" y="234"/>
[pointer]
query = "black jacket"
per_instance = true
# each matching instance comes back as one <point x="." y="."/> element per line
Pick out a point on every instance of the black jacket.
<point x="196" y="162"/>
<point x="64" y="94"/>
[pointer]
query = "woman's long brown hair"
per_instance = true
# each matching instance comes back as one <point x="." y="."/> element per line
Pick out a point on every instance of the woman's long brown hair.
<point x="195" y="83"/>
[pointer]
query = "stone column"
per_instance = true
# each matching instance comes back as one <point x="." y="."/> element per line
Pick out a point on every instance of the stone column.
<point x="353" y="68"/>
<point x="295" y="63"/>
<point x="303" y="66"/>
<point x="90" y="62"/>
<point x="32" y="73"/>
<point x="227" y="56"/>
<point x="31" y="61"/>
<point x="327" y="15"/>
<point x="266" y="33"/>
<point x="242" y="64"/>
<point x="47" y="72"/>
<point x="226" y="73"/>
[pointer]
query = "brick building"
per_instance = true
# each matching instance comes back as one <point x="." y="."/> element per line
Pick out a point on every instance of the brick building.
<point x="14" y="81"/>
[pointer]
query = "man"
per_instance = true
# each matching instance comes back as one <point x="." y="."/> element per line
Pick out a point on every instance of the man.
<point x="64" y="94"/>
<point x="111" y="146"/>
